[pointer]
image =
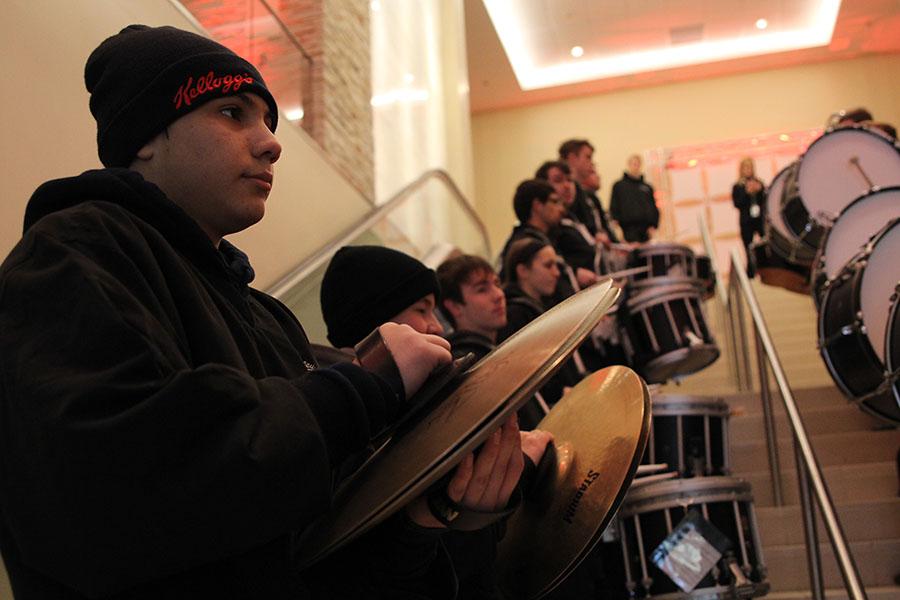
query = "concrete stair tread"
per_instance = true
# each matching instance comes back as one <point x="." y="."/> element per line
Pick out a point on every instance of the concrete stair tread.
<point x="872" y="593"/>
<point x="846" y="483"/>
<point x="878" y="562"/>
<point x="830" y="449"/>
<point x="860" y="521"/>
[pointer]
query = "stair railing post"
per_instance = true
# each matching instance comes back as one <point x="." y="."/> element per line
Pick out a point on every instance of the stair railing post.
<point x="765" y="395"/>
<point x="811" y="536"/>
<point x="740" y="329"/>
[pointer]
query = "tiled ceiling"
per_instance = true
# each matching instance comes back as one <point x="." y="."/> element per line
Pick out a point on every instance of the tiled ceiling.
<point x="615" y="34"/>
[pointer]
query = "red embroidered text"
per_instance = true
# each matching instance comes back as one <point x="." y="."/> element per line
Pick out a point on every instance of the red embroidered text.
<point x="209" y="82"/>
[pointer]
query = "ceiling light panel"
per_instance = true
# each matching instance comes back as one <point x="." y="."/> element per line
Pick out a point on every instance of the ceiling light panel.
<point x="621" y="37"/>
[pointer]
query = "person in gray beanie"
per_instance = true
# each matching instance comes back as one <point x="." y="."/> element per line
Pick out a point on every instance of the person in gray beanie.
<point x="166" y="430"/>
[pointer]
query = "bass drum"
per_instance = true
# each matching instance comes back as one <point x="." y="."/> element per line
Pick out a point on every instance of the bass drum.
<point x="784" y="242"/>
<point x="892" y="346"/>
<point x="853" y="324"/>
<point x="850" y="232"/>
<point x="843" y="165"/>
<point x="804" y="233"/>
<point x="651" y="512"/>
<point x="773" y="269"/>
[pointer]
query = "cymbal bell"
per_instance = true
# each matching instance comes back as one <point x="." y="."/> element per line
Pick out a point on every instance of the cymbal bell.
<point x="600" y="429"/>
<point x="435" y="441"/>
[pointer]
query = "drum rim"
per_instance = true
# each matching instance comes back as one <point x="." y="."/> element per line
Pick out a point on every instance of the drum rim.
<point x="856" y="128"/>
<point x="822" y="255"/>
<point x="658" y="247"/>
<point x="716" y="486"/>
<point x="662" y="289"/>
<point x="854" y="276"/>
<point x="893" y="317"/>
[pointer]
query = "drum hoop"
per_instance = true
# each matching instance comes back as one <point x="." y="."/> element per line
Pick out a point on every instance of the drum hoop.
<point x="662" y="494"/>
<point x="656" y="294"/>
<point x="703" y="410"/>
<point x="892" y="316"/>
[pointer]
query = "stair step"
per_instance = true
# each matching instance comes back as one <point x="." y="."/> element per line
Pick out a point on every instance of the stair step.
<point x="878" y="562"/>
<point x="748" y="403"/>
<point x="846" y="483"/>
<point x="860" y="521"/>
<point x="831" y="449"/>
<point x="825" y="419"/>
<point x="872" y="593"/>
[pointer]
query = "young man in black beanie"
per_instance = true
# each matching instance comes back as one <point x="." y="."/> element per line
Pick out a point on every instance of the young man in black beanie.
<point x="165" y="429"/>
<point x="365" y="286"/>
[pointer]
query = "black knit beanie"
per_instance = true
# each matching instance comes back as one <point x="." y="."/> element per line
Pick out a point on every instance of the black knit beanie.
<point x="144" y="78"/>
<point x="364" y="286"/>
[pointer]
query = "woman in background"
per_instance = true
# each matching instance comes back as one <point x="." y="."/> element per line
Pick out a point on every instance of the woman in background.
<point x="749" y="196"/>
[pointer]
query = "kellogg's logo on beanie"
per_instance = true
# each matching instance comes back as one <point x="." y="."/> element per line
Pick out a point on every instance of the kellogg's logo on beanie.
<point x="144" y="78"/>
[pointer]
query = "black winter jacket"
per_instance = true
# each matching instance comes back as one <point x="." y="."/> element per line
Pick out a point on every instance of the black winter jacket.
<point x="633" y="206"/>
<point x="164" y="429"/>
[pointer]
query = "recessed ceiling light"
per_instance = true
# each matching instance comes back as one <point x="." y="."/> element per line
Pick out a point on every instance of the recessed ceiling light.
<point x="692" y="162"/>
<point x="294" y="114"/>
<point x="761" y="23"/>
<point x="514" y="23"/>
<point x="784" y="137"/>
<point x="577" y="51"/>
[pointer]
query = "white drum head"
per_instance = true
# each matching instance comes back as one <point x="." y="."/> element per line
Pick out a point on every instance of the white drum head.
<point x="828" y="179"/>
<point x="856" y="225"/>
<point x="878" y="282"/>
<point x="773" y="201"/>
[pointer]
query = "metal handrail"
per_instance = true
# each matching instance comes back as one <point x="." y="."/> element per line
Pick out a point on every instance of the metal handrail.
<point x="809" y="472"/>
<point x="324" y="254"/>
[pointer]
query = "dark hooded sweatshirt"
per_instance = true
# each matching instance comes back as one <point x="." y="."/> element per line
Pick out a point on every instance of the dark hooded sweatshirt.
<point x="163" y="427"/>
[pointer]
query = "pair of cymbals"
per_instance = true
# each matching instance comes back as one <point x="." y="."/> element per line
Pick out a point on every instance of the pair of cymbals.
<point x="406" y="465"/>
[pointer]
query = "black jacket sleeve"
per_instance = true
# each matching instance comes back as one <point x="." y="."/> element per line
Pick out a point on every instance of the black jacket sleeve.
<point x="124" y="456"/>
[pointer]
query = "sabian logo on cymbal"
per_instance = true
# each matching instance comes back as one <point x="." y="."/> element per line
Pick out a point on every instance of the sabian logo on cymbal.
<point x="571" y="509"/>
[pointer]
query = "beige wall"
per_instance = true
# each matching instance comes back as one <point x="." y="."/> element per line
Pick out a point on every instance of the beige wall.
<point x="47" y="131"/>
<point x="510" y="144"/>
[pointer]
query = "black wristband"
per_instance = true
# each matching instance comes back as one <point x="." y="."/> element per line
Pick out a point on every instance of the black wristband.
<point x="459" y="518"/>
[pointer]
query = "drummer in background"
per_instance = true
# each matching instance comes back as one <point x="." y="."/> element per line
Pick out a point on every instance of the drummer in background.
<point x="579" y="155"/>
<point x="531" y="273"/>
<point x="473" y="302"/>
<point x="539" y="210"/>
<point x="749" y="196"/>
<point x="366" y="285"/>
<point x="632" y="204"/>
<point x="573" y="240"/>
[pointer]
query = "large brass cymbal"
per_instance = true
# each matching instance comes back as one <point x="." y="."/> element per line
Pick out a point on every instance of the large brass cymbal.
<point x="600" y="429"/>
<point x="406" y="465"/>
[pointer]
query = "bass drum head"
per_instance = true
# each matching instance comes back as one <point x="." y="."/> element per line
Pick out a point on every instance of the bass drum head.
<point x="855" y="226"/>
<point x="878" y="282"/>
<point x="831" y="171"/>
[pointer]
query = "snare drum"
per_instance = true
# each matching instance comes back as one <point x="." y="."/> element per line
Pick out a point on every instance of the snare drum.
<point x="773" y="269"/>
<point x="853" y="323"/>
<point x="690" y="434"/>
<point x="649" y="514"/>
<point x="664" y="333"/>
<point x="788" y="245"/>
<point x="844" y="164"/>
<point x="667" y="261"/>
<point x="850" y="232"/>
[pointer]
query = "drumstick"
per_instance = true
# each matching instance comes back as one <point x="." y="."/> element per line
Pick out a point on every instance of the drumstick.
<point x="855" y="162"/>
<point x="626" y="272"/>
<point x="654" y="468"/>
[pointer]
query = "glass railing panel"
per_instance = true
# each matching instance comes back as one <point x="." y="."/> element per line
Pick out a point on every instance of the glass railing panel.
<point x="425" y="220"/>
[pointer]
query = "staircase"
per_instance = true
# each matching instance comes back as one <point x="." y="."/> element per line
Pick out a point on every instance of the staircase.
<point x="857" y="454"/>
